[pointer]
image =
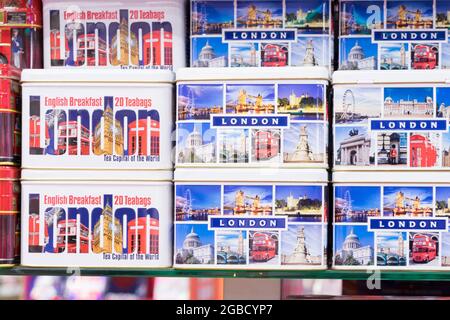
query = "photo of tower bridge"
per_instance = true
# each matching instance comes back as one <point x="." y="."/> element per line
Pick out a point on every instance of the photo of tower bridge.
<point x="408" y="201"/>
<point x="259" y="14"/>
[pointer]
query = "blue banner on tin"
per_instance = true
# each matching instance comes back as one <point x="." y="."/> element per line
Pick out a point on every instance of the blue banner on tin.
<point x="260" y="35"/>
<point x="436" y="35"/>
<point x="242" y="223"/>
<point x="409" y="125"/>
<point x="263" y="121"/>
<point x="408" y="224"/>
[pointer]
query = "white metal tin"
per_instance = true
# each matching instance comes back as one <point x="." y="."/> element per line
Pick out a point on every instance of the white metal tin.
<point x="263" y="33"/>
<point x="398" y="122"/>
<point x="391" y="221"/>
<point x="96" y="220"/>
<point x="250" y="219"/>
<point x="120" y="34"/>
<point x="393" y="35"/>
<point x="252" y="117"/>
<point x="109" y="119"/>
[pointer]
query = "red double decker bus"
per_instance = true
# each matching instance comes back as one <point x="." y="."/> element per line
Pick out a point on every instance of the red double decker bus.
<point x="274" y="56"/>
<point x="263" y="247"/>
<point x="68" y="138"/>
<point x="87" y="42"/>
<point x="69" y="229"/>
<point x="424" y="248"/>
<point x="425" y="57"/>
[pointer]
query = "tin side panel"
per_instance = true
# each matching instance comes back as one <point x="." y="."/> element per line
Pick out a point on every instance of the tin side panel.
<point x="250" y="226"/>
<point x="91" y="126"/>
<point x="75" y="225"/>
<point x="252" y="124"/>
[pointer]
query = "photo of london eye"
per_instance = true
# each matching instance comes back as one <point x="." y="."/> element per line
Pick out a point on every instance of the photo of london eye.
<point x="259" y="14"/>
<point x="356" y="204"/>
<point x="356" y="105"/>
<point x="211" y="17"/>
<point x="361" y="17"/>
<point x="197" y="202"/>
<point x="410" y="15"/>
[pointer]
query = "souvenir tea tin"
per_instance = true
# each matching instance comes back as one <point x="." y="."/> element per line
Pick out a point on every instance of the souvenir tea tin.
<point x="263" y="33"/>
<point x="10" y="100"/>
<point x="394" y="34"/>
<point x="252" y="117"/>
<point x="109" y="119"/>
<point x="117" y="34"/>
<point x="9" y="214"/>
<point x="398" y="122"/>
<point x="391" y="221"/>
<point x="250" y="219"/>
<point x="20" y="35"/>
<point x="96" y="219"/>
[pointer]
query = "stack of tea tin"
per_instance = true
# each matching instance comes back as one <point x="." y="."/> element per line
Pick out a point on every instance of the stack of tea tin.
<point x="20" y="48"/>
<point x="252" y="140"/>
<point x="391" y="136"/>
<point x="97" y="136"/>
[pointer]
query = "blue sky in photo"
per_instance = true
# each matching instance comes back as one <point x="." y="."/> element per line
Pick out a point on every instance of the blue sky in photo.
<point x="312" y="90"/>
<point x="446" y="141"/>
<point x="182" y="230"/>
<point x="362" y="197"/>
<point x="342" y="231"/>
<point x="442" y="6"/>
<point x="393" y="51"/>
<point x="243" y="49"/>
<point x="321" y="50"/>
<point x="230" y="238"/>
<point x="445" y="238"/>
<point x="202" y="197"/>
<point x="184" y="129"/>
<point x="419" y="94"/>
<point x="368" y="101"/>
<point x="205" y="95"/>
<point x="313" y="239"/>
<point x="276" y="7"/>
<point x="342" y="133"/>
<point x="315" y="136"/>
<point x="426" y="7"/>
<point x="425" y="194"/>
<point x="442" y="96"/>
<point x="445" y="55"/>
<point x="442" y="193"/>
<point x="220" y="49"/>
<point x="312" y="192"/>
<point x="264" y="192"/>
<point x="266" y="90"/>
<point x="358" y="10"/>
<point x="390" y="240"/>
<point x="370" y="50"/>
<point x="216" y="11"/>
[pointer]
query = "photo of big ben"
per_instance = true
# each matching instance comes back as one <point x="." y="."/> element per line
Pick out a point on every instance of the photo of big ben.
<point x="108" y="222"/>
<point x="127" y="40"/>
<point x="113" y="135"/>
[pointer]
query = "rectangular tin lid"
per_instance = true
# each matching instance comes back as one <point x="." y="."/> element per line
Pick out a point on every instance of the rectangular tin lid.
<point x="251" y="175"/>
<point x="97" y="175"/>
<point x="393" y="76"/>
<point x="273" y="73"/>
<point x="385" y="177"/>
<point x="99" y="75"/>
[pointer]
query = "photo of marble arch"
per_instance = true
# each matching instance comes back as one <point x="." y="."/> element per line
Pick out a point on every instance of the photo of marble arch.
<point x="354" y="147"/>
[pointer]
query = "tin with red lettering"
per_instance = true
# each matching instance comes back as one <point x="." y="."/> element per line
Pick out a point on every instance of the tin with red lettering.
<point x="9" y="210"/>
<point x="20" y="35"/>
